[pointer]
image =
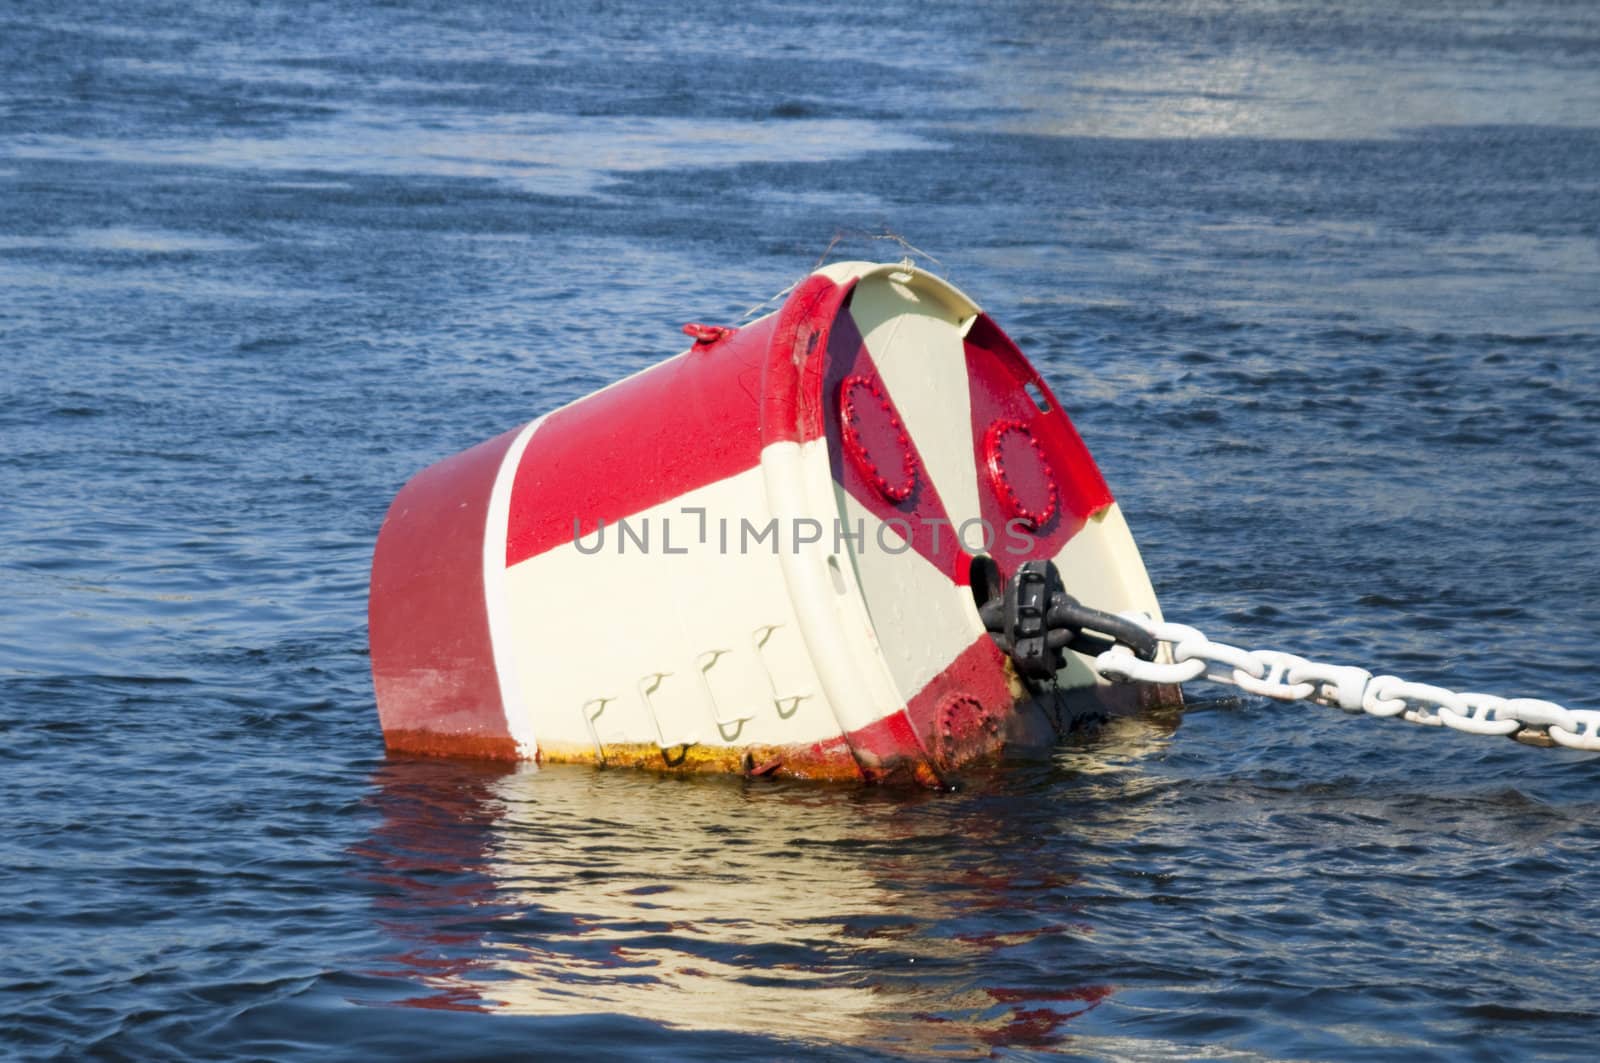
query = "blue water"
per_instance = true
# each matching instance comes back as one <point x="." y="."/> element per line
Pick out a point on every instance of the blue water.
<point x="1317" y="282"/>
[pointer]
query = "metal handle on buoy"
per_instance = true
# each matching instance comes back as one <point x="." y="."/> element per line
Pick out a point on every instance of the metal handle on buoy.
<point x="1034" y="619"/>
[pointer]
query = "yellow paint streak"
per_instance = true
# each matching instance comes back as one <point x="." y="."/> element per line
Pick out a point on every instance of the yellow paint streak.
<point x="788" y="762"/>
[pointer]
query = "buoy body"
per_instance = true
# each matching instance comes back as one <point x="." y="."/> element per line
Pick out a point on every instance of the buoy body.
<point x="755" y="556"/>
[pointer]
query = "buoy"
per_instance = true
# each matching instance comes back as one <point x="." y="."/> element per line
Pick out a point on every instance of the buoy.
<point x="779" y="552"/>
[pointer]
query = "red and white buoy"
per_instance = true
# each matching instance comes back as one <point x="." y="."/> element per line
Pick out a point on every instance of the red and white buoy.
<point x="756" y="556"/>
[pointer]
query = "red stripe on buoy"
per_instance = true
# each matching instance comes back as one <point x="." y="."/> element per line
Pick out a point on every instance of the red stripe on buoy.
<point x="887" y="750"/>
<point x="427" y="624"/>
<point x="875" y="460"/>
<point x="691" y="421"/>
<point x="1043" y="447"/>
<point x="961" y="713"/>
<point x="680" y="425"/>
<point x="792" y="403"/>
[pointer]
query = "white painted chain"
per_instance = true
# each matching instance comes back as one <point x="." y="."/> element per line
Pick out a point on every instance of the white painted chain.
<point x="1283" y="676"/>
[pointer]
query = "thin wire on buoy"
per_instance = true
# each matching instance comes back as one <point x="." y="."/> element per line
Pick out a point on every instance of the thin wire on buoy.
<point x="839" y="237"/>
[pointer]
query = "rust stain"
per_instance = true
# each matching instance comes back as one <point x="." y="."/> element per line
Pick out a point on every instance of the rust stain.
<point x="965" y="729"/>
<point x="434" y="744"/>
<point x="975" y="735"/>
<point x="815" y="762"/>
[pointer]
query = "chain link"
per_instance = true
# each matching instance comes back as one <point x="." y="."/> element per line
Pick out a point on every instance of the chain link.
<point x="1188" y="655"/>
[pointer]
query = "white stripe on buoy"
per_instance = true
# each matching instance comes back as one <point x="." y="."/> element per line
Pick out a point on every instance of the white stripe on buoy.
<point x="519" y="714"/>
<point x="927" y="621"/>
<point x="722" y="641"/>
<point x="916" y="343"/>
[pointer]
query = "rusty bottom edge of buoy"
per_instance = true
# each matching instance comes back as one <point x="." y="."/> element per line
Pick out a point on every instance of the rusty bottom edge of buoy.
<point x="1033" y="726"/>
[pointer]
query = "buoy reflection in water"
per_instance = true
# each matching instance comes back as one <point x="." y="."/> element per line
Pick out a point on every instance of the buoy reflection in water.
<point x="792" y="910"/>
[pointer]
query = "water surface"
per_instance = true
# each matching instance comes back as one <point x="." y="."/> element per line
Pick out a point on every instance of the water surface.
<point x="1316" y="283"/>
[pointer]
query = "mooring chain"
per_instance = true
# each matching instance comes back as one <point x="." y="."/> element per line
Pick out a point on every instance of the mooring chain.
<point x="1286" y="677"/>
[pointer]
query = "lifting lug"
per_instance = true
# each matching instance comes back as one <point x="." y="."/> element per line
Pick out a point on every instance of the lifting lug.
<point x="1034" y="619"/>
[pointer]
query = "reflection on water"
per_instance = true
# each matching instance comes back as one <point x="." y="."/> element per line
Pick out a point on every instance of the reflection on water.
<point x="1207" y="68"/>
<point x="797" y="911"/>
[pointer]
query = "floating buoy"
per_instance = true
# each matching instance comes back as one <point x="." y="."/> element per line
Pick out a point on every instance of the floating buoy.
<point x="820" y="545"/>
